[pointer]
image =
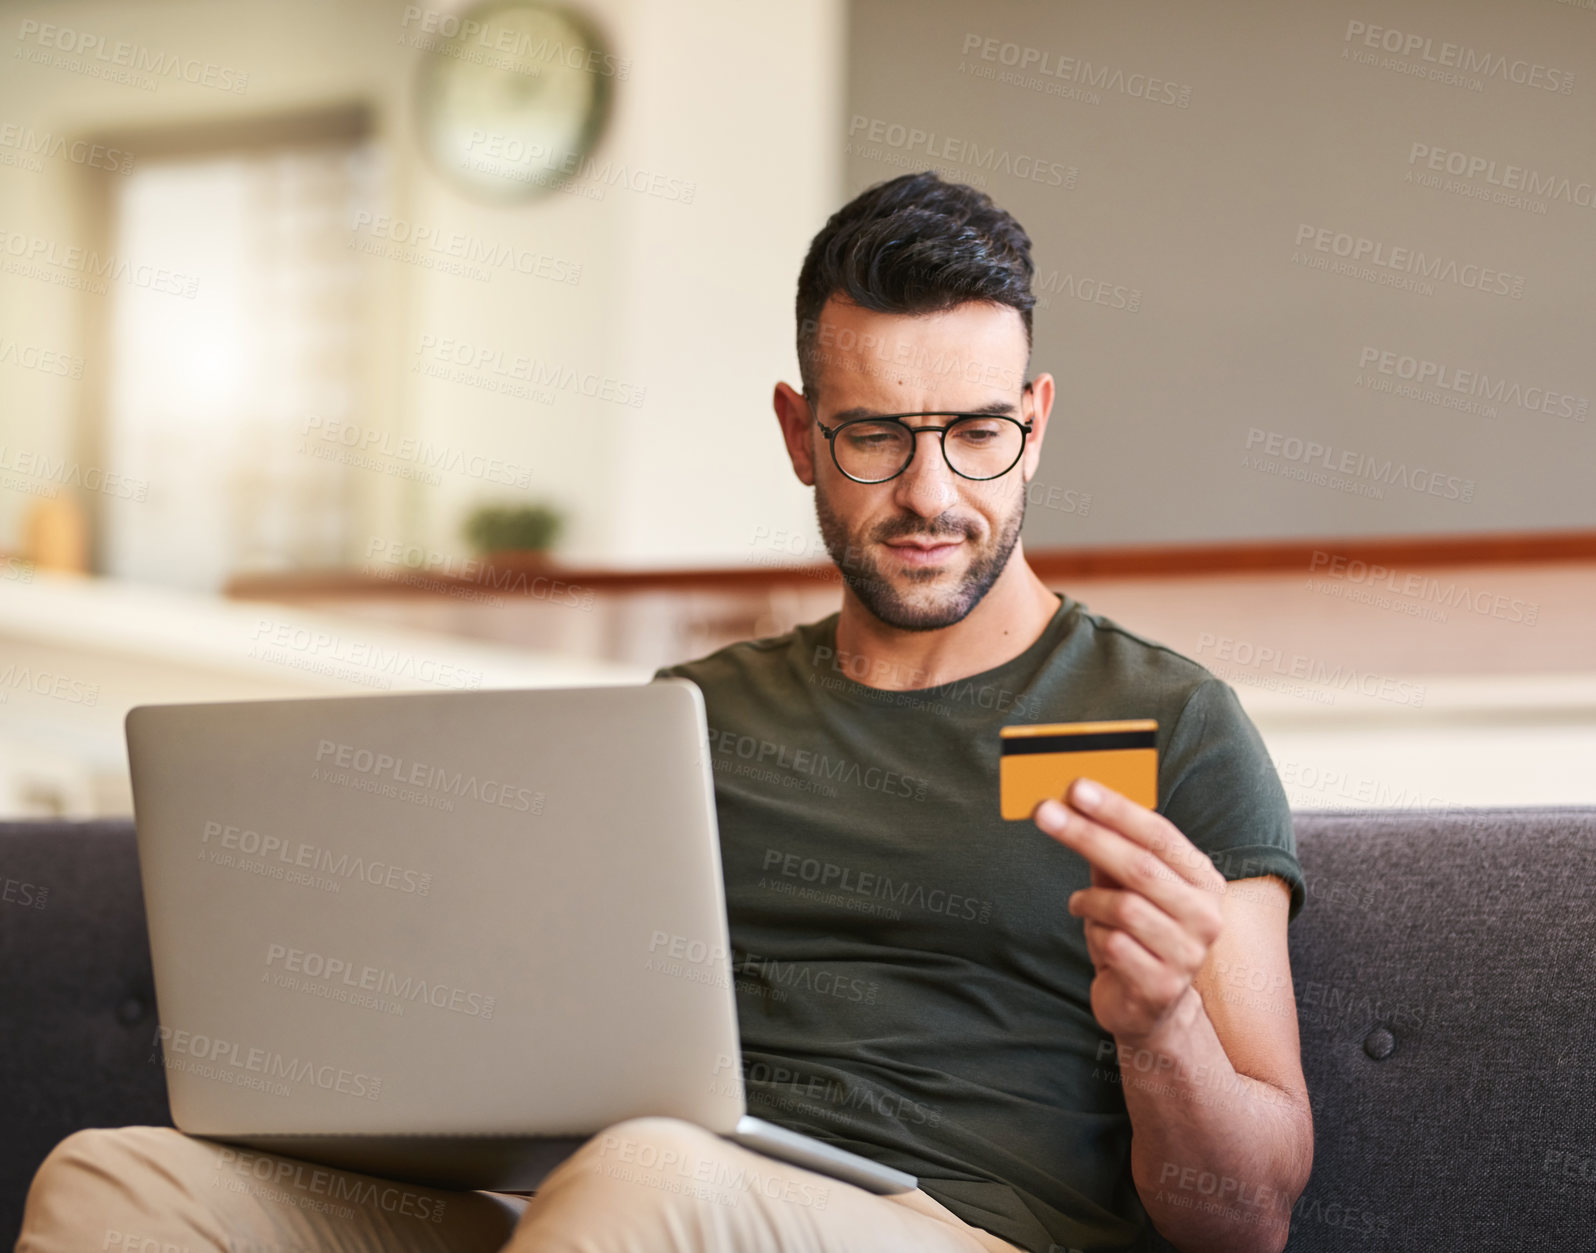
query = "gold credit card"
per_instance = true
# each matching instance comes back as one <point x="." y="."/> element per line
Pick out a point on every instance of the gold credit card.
<point x="1039" y="762"/>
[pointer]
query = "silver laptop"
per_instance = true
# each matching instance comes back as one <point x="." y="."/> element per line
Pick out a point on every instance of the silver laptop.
<point x="444" y="937"/>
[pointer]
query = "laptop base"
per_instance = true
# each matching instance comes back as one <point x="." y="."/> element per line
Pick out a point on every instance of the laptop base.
<point x="455" y="1162"/>
<point x="521" y="1163"/>
<point x="824" y="1159"/>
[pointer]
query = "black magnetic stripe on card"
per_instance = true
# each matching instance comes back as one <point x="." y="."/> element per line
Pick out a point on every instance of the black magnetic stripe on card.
<point x="1097" y="741"/>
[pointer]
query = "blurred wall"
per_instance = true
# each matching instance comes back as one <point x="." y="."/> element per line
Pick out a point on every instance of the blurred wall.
<point x="1303" y="269"/>
<point x="687" y="303"/>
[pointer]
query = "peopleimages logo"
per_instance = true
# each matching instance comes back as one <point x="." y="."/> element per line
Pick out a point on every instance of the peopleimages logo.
<point x="1421" y="587"/>
<point x="959" y="151"/>
<point x="44" y="360"/>
<point x="355" y="661"/>
<point x="1459" y="57"/>
<point x="492" y="152"/>
<point x="1359" y="250"/>
<point x="365" y="761"/>
<point x="1046" y="63"/>
<point x="59" y="473"/>
<point x="899" y="353"/>
<point x="1265" y="661"/>
<point x="375" y="979"/>
<point x="275" y="851"/>
<point x="515" y="45"/>
<point x="78" y="267"/>
<point x="1502" y="174"/>
<point x="233" y="1063"/>
<point x="133" y="62"/>
<point x="838" y="1095"/>
<point x="1344" y="466"/>
<point x="1087" y="289"/>
<point x="465" y="252"/>
<point x="28" y="895"/>
<point x="832" y="877"/>
<point x="484" y="360"/>
<point x="878" y="674"/>
<point x="333" y="437"/>
<point x="817" y="765"/>
<point x="20" y="678"/>
<point x="35" y="144"/>
<point x="335" y="1185"/>
<point x="1428" y="375"/>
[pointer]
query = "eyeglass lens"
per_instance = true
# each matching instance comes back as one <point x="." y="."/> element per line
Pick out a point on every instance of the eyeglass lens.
<point x="976" y="447"/>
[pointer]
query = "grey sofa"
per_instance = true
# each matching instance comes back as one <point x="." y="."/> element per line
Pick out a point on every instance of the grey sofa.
<point x="1445" y="967"/>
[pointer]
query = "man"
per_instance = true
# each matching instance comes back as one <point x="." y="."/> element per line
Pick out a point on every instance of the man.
<point x="1076" y="1030"/>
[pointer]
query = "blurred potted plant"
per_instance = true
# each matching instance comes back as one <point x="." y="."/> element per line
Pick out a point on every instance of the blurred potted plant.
<point x="514" y="533"/>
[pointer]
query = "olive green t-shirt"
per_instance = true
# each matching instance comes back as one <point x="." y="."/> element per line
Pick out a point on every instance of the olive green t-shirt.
<point x="910" y="984"/>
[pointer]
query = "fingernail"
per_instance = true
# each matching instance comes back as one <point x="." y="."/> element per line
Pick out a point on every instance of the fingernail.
<point x="1086" y="793"/>
<point x="1051" y="814"/>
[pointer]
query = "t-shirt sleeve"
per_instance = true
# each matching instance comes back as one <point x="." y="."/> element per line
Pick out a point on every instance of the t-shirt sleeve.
<point x="1222" y="792"/>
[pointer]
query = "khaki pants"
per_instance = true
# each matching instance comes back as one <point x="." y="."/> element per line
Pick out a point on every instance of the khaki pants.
<point x="646" y="1185"/>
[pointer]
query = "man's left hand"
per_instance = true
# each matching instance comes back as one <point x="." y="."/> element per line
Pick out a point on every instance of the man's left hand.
<point x="1152" y="911"/>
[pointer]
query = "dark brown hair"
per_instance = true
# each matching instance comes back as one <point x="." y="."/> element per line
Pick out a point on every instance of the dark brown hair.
<point x="913" y="244"/>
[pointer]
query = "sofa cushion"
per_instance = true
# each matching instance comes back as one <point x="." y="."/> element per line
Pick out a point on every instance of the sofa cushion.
<point x="1444" y="967"/>
<point x="79" y="999"/>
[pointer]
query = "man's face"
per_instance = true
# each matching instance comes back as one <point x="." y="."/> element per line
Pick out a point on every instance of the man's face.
<point x="922" y="549"/>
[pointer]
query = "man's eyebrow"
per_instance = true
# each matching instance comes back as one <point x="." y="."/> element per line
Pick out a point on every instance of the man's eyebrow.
<point x="992" y="408"/>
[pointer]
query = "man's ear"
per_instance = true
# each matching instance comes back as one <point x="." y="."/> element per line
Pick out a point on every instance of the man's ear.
<point x="1041" y="406"/>
<point x="797" y="428"/>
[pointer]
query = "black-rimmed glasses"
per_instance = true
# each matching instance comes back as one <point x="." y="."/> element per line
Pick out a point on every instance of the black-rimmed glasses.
<point x="976" y="446"/>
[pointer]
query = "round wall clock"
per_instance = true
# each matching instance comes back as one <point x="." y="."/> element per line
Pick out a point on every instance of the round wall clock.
<point x="511" y="95"/>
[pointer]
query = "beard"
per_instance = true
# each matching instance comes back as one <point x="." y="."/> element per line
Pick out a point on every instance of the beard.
<point x="914" y="603"/>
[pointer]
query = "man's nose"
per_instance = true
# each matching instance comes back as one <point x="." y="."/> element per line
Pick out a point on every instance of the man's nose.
<point x="927" y="487"/>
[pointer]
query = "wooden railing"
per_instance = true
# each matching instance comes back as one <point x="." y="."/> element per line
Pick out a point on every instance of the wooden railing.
<point x="509" y="575"/>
